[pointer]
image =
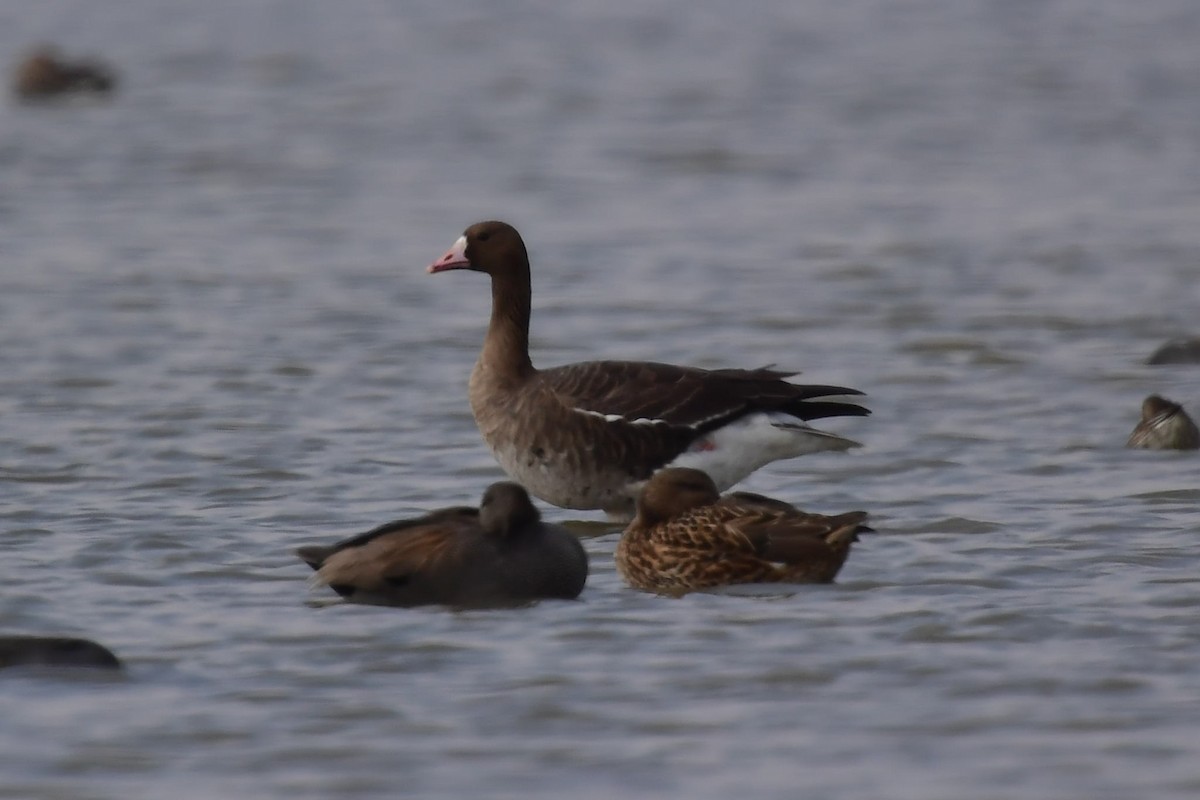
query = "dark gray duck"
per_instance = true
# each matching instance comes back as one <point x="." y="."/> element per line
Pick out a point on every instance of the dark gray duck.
<point x="499" y="554"/>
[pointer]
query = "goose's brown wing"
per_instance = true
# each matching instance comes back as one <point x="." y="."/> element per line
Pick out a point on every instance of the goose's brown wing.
<point x="650" y="393"/>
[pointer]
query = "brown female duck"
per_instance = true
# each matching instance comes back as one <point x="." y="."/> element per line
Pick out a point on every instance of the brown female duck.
<point x="1164" y="426"/>
<point x="587" y="435"/>
<point x="499" y="554"/>
<point x="686" y="536"/>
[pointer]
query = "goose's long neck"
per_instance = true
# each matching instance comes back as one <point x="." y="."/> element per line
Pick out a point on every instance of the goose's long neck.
<point x="506" y="347"/>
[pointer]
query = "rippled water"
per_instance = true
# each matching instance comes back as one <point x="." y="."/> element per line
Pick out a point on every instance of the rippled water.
<point x="218" y="343"/>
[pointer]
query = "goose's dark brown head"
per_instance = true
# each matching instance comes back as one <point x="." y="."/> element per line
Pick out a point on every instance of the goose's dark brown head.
<point x="672" y="491"/>
<point x="492" y="247"/>
<point x="506" y="509"/>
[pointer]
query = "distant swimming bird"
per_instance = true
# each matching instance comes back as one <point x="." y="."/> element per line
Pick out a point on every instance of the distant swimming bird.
<point x="1164" y="426"/>
<point x="1177" y="351"/>
<point x="54" y="651"/>
<point x="497" y="555"/>
<point x="686" y="536"/>
<point x="45" y="74"/>
<point x="587" y="435"/>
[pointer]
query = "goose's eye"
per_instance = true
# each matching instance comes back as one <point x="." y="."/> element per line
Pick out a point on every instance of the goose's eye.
<point x="483" y="237"/>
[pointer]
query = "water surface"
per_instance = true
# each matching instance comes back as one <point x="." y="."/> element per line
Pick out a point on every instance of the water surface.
<point x="219" y="343"/>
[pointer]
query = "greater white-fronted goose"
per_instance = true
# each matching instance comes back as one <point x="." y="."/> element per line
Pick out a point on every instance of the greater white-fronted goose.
<point x="1164" y="426"/>
<point x="685" y="536"/>
<point x="499" y="554"/>
<point x="588" y="435"/>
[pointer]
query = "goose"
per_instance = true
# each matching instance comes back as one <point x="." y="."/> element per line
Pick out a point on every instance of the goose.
<point x="587" y="435"/>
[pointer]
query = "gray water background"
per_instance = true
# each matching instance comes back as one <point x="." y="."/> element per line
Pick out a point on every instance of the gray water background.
<point x="218" y="342"/>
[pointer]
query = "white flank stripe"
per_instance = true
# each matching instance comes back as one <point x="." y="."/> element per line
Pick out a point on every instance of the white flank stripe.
<point x="619" y="418"/>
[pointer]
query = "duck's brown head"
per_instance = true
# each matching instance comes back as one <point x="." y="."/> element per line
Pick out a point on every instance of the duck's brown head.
<point x="673" y="491"/>
<point x="506" y="509"/>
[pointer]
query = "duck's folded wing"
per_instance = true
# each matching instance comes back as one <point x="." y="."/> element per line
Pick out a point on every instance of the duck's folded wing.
<point x="315" y="555"/>
<point x="793" y="537"/>
<point x="392" y="560"/>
